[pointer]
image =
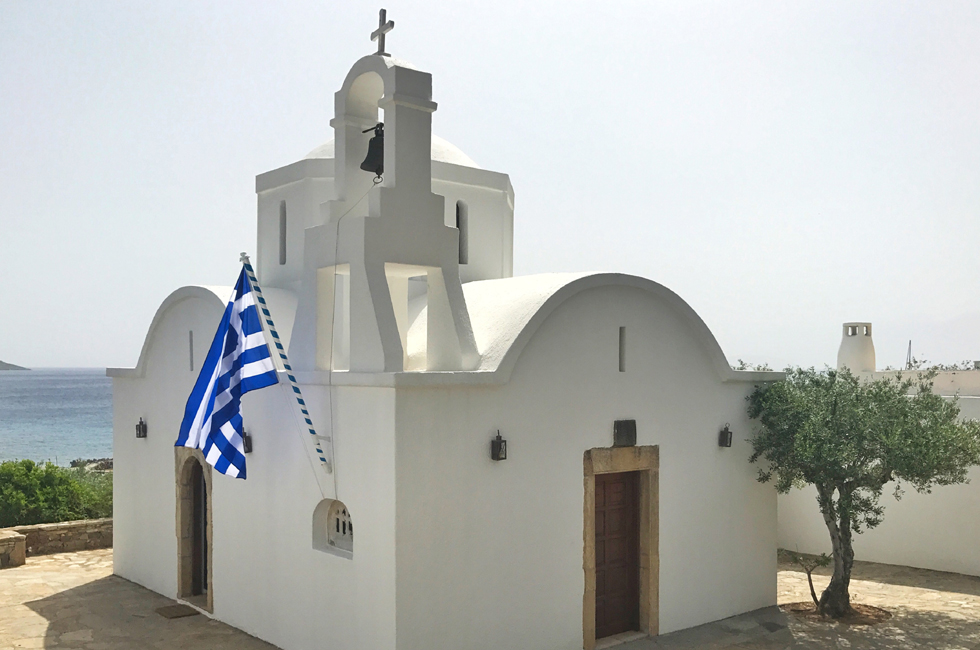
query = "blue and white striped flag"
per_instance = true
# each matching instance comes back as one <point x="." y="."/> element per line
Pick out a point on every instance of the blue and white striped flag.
<point x="237" y="362"/>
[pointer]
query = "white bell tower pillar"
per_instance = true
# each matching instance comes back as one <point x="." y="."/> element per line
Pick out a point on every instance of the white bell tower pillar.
<point x="376" y="236"/>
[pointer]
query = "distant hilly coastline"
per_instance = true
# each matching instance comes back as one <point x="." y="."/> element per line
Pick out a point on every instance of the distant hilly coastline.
<point x="10" y="366"/>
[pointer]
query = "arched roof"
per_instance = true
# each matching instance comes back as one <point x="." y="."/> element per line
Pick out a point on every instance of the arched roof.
<point x="281" y="302"/>
<point x="506" y="313"/>
<point x="442" y="151"/>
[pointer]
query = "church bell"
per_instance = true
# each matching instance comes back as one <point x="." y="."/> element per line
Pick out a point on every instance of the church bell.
<point x="375" y="159"/>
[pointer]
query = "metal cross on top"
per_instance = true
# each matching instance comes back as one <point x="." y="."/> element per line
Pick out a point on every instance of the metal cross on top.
<point x="383" y="28"/>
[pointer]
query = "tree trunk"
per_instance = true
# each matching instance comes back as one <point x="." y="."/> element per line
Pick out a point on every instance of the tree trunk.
<point x="813" y="593"/>
<point x="836" y="599"/>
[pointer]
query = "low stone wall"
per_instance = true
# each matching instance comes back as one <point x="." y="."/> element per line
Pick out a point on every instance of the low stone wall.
<point x="11" y="548"/>
<point x="62" y="537"/>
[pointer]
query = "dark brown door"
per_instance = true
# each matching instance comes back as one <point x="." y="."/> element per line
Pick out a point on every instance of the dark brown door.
<point x="199" y="563"/>
<point x="617" y="553"/>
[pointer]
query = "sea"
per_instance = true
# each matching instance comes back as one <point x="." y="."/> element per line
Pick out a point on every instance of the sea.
<point x="55" y="414"/>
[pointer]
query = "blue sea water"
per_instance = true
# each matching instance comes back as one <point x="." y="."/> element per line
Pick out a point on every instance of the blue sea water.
<point x="56" y="414"/>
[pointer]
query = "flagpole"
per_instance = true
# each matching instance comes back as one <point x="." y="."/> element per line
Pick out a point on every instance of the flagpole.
<point x="282" y="363"/>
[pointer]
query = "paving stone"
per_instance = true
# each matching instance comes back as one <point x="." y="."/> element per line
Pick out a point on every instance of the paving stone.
<point x="71" y="601"/>
<point x="930" y="609"/>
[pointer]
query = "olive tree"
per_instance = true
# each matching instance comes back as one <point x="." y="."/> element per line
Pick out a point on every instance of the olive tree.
<point x="849" y="438"/>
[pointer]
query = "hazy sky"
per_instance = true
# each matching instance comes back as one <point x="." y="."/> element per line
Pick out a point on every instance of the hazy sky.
<point x="783" y="166"/>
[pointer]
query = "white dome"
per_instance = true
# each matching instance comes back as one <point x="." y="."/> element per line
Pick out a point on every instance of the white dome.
<point x="442" y="151"/>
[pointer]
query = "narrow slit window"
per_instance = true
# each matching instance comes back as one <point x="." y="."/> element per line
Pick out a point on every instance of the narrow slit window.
<point x="282" y="232"/>
<point x="190" y="348"/>
<point x="622" y="349"/>
<point x="462" y="224"/>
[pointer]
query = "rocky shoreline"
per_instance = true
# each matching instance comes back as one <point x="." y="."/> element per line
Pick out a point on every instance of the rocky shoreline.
<point x="93" y="464"/>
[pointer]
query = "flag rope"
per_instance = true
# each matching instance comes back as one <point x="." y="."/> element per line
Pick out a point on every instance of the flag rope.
<point x="297" y="393"/>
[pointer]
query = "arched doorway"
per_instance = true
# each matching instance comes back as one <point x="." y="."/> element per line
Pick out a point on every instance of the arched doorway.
<point x="194" y="530"/>
<point x="199" y="532"/>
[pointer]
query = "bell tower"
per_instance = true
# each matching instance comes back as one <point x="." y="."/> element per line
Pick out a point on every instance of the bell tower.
<point x="380" y="233"/>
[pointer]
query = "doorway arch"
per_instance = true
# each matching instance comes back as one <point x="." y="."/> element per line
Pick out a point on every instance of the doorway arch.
<point x="194" y="529"/>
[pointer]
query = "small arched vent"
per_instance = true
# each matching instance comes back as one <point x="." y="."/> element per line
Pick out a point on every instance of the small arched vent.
<point x="341" y="533"/>
<point x="333" y="529"/>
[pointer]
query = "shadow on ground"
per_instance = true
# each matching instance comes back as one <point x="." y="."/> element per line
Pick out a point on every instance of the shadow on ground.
<point x="114" y="613"/>
<point x="772" y="629"/>
<point x="930" y="610"/>
<point x="908" y="628"/>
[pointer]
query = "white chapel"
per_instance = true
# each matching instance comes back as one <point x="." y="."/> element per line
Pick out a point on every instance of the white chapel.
<point x="500" y="462"/>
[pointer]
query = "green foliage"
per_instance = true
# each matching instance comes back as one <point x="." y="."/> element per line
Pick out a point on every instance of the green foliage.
<point x="96" y="489"/>
<point x="850" y="438"/>
<point x="925" y="364"/>
<point x="831" y="429"/>
<point x="745" y="365"/>
<point x="38" y="494"/>
<point x="809" y="563"/>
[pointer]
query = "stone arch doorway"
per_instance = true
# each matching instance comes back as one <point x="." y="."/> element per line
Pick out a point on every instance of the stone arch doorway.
<point x="194" y="529"/>
<point x="634" y="470"/>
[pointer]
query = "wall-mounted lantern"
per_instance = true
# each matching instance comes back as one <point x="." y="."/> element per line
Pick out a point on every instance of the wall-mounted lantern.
<point x="725" y="437"/>
<point x="498" y="448"/>
<point x="246" y="442"/>
<point x="624" y="433"/>
<point x="141" y="429"/>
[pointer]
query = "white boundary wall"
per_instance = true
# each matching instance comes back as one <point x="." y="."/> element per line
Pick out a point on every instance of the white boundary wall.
<point x="939" y="531"/>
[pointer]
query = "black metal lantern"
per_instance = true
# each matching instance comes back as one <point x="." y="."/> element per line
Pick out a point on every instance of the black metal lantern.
<point x="141" y="429"/>
<point x="725" y="437"/>
<point x="498" y="448"/>
<point x="374" y="162"/>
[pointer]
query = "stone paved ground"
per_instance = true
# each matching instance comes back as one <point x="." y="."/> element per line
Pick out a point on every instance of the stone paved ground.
<point x="930" y="609"/>
<point x="72" y="600"/>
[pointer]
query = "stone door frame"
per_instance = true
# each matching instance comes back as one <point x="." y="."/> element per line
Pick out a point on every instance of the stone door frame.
<point x="646" y="461"/>
<point x="184" y="458"/>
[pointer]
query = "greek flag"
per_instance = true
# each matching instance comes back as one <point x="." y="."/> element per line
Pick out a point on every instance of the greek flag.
<point x="237" y="362"/>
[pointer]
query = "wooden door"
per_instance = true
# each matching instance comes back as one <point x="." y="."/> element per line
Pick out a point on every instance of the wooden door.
<point x="617" y="553"/>
<point x="199" y="562"/>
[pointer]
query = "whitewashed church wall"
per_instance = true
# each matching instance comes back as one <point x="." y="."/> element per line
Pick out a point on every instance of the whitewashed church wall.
<point x="938" y="531"/>
<point x="489" y="552"/>
<point x="144" y="485"/>
<point x="490" y="229"/>
<point x="267" y="578"/>
<point x="269" y="581"/>
<point x="303" y="199"/>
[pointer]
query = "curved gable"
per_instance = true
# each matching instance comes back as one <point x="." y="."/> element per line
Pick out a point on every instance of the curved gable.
<point x="507" y="313"/>
<point x="281" y="303"/>
<point x="220" y="297"/>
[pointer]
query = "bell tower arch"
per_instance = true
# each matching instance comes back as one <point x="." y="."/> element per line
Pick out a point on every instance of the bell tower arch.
<point x="376" y="235"/>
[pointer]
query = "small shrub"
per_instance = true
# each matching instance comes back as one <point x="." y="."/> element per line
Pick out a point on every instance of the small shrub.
<point x="32" y="493"/>
<point x="96" y="489"/>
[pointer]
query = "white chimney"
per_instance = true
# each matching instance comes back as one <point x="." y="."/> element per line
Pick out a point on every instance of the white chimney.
<point x="857" y="350"/>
